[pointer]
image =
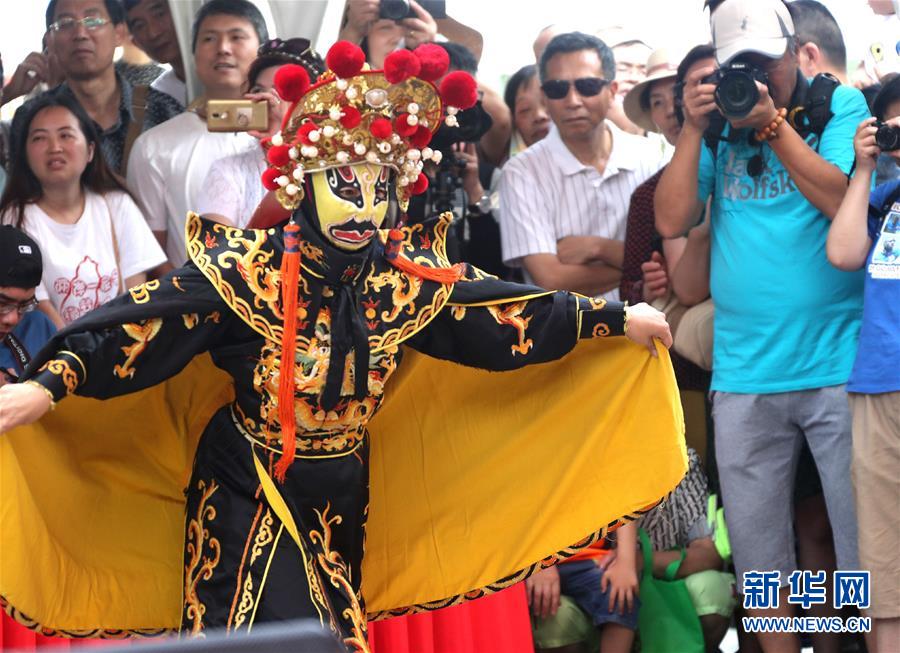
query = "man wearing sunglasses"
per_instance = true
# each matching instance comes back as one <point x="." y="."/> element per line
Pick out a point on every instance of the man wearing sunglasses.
<point x="23" y="331"/>
<point x="565" y="198"/>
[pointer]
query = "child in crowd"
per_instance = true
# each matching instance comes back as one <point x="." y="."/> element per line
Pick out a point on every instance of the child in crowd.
<point x="864" y="233"/>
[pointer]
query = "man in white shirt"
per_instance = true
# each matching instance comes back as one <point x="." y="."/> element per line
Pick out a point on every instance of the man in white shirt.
<point x="565" y="199"/>
<point x="169" y="162"/>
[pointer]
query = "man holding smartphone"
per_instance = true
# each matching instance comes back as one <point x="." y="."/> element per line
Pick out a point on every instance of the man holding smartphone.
<point x="169" y="163"/>
<point x="23" y="330"/>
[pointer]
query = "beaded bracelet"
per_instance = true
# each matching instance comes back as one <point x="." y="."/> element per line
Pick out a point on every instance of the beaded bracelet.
<point x="770" y="131"/>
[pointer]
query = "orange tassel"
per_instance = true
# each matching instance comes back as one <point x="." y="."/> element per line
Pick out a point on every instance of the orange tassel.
<point x="441" y="275"/>
<point x="392" y="251"/>
<point x="290" y="275"/>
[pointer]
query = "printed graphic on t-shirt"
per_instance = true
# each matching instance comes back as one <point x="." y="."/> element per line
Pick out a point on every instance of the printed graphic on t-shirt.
<point x="84" y="292"/>
<point x="754" y="176"/>
<point x="886" y="256"/>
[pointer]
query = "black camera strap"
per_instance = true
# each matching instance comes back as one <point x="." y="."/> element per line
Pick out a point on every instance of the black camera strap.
<point x="811" y="105"/>
<point x="20" y="354"/>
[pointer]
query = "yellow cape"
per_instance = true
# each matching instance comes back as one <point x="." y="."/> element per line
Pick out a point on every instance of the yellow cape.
<point x="476" y="477"/>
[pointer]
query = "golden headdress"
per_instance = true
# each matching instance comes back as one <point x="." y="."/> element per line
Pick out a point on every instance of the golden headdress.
<point x="354" y="115"/>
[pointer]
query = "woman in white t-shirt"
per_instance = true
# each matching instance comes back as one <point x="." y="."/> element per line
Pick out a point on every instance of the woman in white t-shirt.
<point x="95" y="240"/>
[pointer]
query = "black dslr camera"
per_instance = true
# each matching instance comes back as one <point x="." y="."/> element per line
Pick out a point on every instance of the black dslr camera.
<point x="736" y="92"/>
<point x="400" y="9"/>
<point x="887" y="138"/>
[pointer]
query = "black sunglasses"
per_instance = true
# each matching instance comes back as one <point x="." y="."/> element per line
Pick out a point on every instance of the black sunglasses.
<point x="557" y="89"/>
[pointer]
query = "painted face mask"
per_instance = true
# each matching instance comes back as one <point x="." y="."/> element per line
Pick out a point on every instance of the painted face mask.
<point x="351" y="202"/>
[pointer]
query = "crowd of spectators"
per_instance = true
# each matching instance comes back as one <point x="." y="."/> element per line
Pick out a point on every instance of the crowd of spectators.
<point x="609" y="166"/>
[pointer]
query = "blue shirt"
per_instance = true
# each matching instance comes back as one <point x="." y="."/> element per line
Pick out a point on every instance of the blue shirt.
<point x="875" y="369"/>
<point x="33" y="331"/>
<point x="785" y="318"/>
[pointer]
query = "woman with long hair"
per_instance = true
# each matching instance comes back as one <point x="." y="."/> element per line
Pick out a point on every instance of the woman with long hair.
<point x="62" y="193"/>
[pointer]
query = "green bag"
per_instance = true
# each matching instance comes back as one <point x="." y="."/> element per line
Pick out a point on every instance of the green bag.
<point x="667" y="621"/>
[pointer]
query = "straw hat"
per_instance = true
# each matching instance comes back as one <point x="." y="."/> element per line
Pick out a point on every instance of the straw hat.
<point x="660" y="65"/>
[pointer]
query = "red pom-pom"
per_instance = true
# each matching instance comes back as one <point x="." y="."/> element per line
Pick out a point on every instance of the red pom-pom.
<point x="459" y="90"/>
<point x="303" y="132"/>
<point x="269" y="177"/>
<point x="400" y="65"/>
<point x="278" y="155"/>
<point x="291" y="81"/>
<point x="421" y="138"/>
<point x="345" y="59"/>
<point x="420" y="185"/>
<point x="351" y="117"/>
<point x="402" y="126"/>
<point x="434" y="61"/>
<point x="381" y="128"/>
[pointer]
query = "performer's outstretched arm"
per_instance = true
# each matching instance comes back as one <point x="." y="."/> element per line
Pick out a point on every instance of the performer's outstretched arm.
<point x="487" y="330"/>
<point x="135" y="341"/>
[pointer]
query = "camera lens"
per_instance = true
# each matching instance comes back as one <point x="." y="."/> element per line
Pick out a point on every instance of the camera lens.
<point x="394" y="9"/>
<point x="887" y="138"/>
<point x="736" y="93"/>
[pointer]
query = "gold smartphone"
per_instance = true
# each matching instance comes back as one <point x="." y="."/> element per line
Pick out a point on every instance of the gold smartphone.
<point x="236" y="115"/>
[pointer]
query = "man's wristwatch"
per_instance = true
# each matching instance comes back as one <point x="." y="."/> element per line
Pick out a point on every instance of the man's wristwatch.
<point x="482" y="206"/>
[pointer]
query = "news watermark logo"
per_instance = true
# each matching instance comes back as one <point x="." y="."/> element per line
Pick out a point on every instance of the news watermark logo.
<point x="806" y="589"/>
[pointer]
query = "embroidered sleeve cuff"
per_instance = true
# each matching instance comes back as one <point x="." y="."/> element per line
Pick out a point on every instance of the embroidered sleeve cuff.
<point x="598" y="318"/>
<point x="62" y="375"/>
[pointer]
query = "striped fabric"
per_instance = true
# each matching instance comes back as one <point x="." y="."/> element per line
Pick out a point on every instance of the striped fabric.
<point x="547" y="194"/>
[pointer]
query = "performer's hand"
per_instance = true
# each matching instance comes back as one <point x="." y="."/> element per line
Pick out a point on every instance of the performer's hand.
<point x="21" y="403"/>
<point x="646" y="323"/>
<point x="543" y="592"/>
<point x="622" y="581"/>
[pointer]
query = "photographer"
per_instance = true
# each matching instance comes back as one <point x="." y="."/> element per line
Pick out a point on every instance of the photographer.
<point x="786" y="320"/>
<point x="373" y="24"/>
<point x="864" y="233"/>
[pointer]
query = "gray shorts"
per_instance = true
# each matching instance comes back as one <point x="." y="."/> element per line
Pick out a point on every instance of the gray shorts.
<point x="758" y="440"/>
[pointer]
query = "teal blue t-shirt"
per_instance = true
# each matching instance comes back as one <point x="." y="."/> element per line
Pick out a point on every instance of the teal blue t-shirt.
<point x="785" y="318"/>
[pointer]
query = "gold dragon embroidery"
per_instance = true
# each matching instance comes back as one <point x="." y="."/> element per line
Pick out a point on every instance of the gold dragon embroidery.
<point x="336" y="569"/>
<point x="511" y="314"/>
<point x="142" y="334"/>
<point x="253" y="265"/>
<point x="200" y="567"/>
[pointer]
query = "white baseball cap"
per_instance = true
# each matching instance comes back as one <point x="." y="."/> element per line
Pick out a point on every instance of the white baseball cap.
<point x="739" y="26"/>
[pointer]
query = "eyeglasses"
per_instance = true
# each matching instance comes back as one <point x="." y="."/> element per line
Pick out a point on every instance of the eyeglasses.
<point x="69" y="25"/>
<point x="557" y="89"/>
<point x="25" y="307"/>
